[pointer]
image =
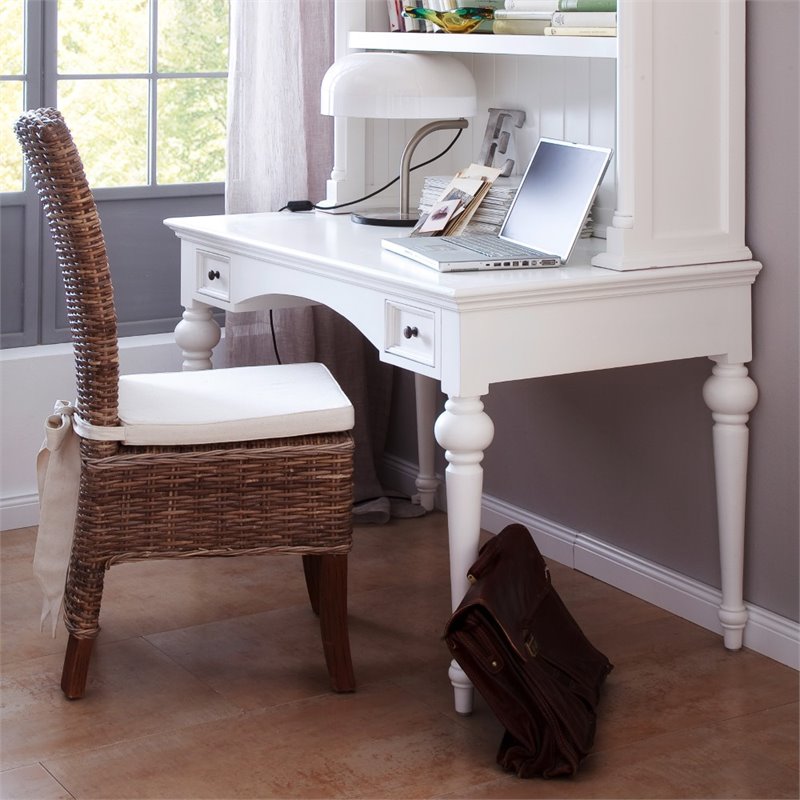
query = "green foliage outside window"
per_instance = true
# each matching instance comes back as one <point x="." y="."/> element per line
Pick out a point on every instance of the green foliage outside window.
<point x="108" y="115"/>
<point x="103" y="36"/>
<point x="11" y="21"/>
<point x="193" y="35"/>
<point x="10" y="160"/>
<point x="192" y="111"/>
<point x="11" y="92"/>
<point x="108" y="120"/>
<point x="191" y="130"/>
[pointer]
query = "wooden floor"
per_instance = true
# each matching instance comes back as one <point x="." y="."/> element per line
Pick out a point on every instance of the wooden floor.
<point x="209" y="682"/>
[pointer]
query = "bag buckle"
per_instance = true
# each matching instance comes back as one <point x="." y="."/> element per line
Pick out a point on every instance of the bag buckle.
<point x="531" y="645"/>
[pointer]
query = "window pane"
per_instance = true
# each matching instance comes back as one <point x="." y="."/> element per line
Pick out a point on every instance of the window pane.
<point x="102" y="36"/>
<point x="12" y="36"/>
<point x="191" y="130"/>
<point x="10" y="154"/>
<point x="192" y="35"/>
<point x="108" y="119"/>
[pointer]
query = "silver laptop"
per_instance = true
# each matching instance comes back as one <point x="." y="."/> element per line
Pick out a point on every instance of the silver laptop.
<point x="543" y="221"/>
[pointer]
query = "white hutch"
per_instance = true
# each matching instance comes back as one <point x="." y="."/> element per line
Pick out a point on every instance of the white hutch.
<point x="667" y="94"/>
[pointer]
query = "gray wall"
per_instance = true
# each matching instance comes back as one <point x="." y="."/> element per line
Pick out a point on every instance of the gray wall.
<point x="143" y="253"/>
<point x="773" y="175"/>
<point x="625" y="455"/>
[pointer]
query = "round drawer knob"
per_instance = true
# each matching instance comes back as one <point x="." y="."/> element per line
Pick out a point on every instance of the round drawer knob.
<point x="212" y="274"/>
<point x="409" y="332"/>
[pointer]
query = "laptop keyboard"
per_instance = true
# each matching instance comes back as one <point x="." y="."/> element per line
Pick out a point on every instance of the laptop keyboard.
<point x="495" y="247"/>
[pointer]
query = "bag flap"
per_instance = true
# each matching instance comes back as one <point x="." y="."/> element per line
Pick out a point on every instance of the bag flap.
<point x="509" y="579"/>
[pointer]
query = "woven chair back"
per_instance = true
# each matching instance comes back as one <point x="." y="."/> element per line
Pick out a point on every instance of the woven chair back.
<point x="56" y="169"/>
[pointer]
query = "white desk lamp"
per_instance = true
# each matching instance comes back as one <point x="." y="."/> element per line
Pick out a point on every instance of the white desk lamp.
<point x="400" y="86"/>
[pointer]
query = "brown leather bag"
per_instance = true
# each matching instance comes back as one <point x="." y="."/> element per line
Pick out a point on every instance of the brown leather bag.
<point x="523" y="651"/>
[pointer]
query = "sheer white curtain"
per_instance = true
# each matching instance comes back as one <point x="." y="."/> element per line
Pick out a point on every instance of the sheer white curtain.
<point x="279" y="145"/>
<point x="280" y="148"/>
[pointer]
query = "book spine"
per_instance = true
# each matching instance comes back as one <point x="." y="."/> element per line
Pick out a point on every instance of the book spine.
<point x="565" y="31"/>
<point x="534" y="27"/>
<point x="587" y="5"/>
<point x="395" y="23"/>
<point x="545" y="15"/>
<point x="585" y="19"/>
<point x="531" y="5"/>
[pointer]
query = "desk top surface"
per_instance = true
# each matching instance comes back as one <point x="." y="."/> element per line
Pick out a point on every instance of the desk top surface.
<point x="320" y="242"/>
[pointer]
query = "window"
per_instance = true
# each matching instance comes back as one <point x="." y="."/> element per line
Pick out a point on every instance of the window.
<point x="142" y="85"/>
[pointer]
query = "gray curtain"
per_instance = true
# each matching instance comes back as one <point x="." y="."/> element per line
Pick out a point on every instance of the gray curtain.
<point x="280" y="148"/>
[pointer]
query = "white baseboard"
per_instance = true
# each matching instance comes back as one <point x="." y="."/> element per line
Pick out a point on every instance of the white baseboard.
<point x="767" y="633"/>
<point x="20" y="511"/>
<point x="400" y="475"/>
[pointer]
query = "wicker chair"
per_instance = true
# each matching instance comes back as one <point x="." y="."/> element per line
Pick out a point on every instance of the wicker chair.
<point x="257" y="478"/>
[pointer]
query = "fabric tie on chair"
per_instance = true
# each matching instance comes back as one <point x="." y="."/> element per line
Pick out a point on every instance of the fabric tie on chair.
<point x="58" y="472"/>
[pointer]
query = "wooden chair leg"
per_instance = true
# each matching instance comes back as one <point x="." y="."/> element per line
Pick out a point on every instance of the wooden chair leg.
<point x="76" y="667"/>
<point x="83" y="594"/>
<point x="333" y="621"/>
<point x="311" y="568"/>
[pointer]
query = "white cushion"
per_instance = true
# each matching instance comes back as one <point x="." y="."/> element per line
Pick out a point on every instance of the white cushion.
<point x="231" y="405"/>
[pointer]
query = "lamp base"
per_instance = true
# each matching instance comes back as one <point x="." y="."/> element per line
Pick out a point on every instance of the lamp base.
<point x="394" y="219"/>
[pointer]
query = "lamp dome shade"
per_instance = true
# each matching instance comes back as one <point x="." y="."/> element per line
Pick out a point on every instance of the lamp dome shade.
<point x="398" y="86"/>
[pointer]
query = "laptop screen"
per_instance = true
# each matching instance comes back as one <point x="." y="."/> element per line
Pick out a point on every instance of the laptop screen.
<point x="555" y="195"/>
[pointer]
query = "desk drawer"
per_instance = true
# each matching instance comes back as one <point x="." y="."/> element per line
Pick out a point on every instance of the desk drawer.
<point x="410" y="333"/>
<point x="213" y="275"/>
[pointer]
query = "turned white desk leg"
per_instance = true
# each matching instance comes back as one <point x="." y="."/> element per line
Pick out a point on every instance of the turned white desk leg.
<point x="464" y="430"/>
<point x="427" y="390"/>
<point x="197" y="334"/>
<point x="731" y="394"/>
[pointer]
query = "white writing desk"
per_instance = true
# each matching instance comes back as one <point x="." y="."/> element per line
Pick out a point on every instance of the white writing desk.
<point x="471" y="330"/>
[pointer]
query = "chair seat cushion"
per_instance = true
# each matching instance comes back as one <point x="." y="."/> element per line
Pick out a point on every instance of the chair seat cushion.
<point x="232" y="405"/>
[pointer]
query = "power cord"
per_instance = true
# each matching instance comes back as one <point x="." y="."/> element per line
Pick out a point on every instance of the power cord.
<point x="274" y="338"/>
<point x="307" y="205"/>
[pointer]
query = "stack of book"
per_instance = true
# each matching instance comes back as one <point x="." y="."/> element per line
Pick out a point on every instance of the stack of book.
<point x="584" y="18"/>
<point x="524" y="17"/>
<point x="557" y="18"/>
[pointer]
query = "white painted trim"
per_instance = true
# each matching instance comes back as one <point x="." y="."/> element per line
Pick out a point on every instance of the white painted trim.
<point x="767" y="633"/>
<point x="554" y="540"/>
<point x="400" y="475"/>
<point x="19" y="511"/>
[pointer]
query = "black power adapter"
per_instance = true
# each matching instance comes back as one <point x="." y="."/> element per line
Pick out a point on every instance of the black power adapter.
<point x="300" y="205"/>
